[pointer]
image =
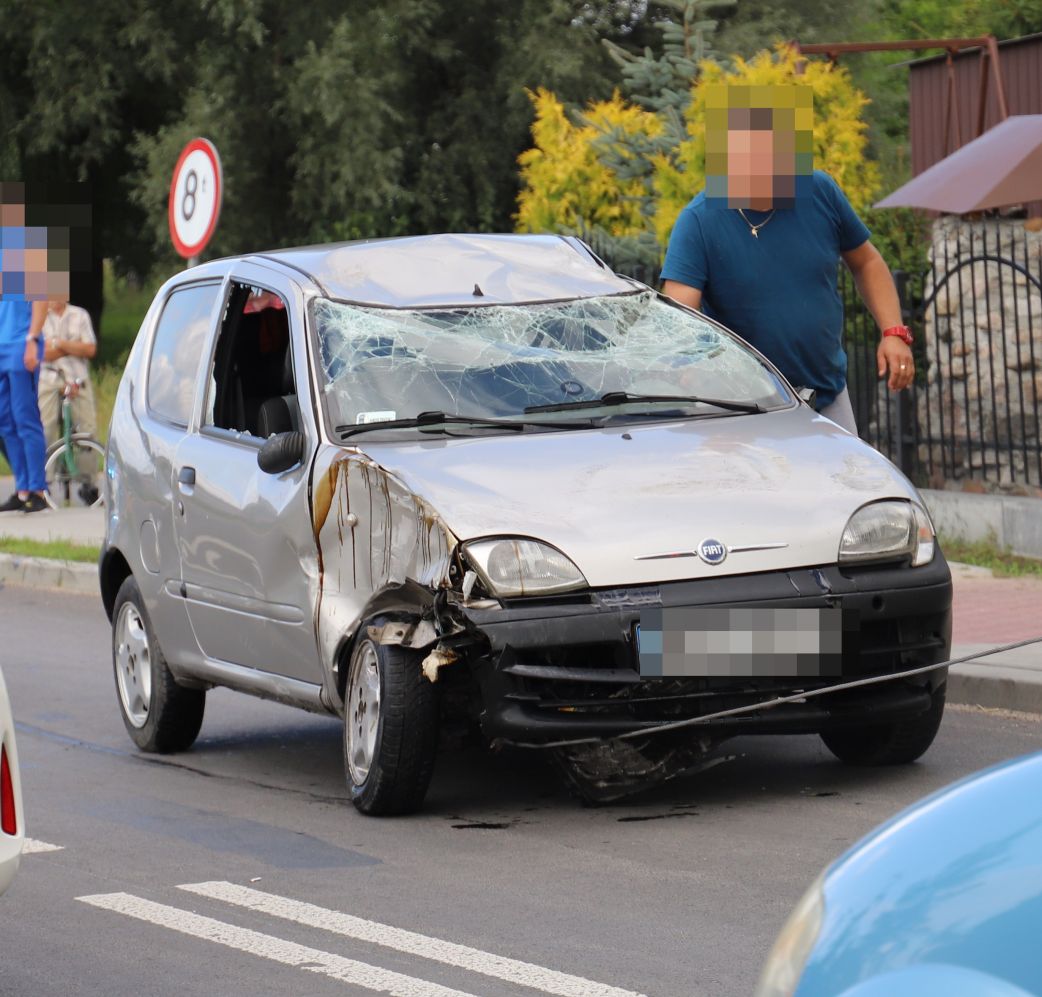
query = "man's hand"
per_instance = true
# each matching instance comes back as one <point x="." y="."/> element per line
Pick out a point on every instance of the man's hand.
<point x="894" y="356"/>
<point x="53" y="350"/>
<point x="32" y="355"/>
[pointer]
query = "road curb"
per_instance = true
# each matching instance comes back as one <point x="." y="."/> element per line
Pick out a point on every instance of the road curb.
<point x="48" y="573"/>
<point x="1004" y="684"/>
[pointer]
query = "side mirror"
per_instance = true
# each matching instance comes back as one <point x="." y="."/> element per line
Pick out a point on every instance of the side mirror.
<point x="281" y="452"/>
<point x="808" y="395"/>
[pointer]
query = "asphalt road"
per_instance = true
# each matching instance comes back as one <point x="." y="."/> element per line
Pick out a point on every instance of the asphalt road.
<point x="679" y="892"/>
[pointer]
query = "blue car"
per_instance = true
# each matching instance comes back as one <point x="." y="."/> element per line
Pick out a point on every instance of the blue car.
<point x="943" y="899"/>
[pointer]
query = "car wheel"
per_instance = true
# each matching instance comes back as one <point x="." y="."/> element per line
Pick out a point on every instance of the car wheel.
<point x="888" y="744"/>
<point x="159" y="714"/>
<point x="390" y="728"/>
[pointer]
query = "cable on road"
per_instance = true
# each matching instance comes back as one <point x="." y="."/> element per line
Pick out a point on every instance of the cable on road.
<point x="769" y="704"/>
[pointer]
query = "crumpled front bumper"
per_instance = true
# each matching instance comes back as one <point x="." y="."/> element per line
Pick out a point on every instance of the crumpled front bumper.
<point x="567" y="667"/>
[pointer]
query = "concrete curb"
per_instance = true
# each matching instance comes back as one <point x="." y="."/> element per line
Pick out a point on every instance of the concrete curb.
<point x="46" y="573"/>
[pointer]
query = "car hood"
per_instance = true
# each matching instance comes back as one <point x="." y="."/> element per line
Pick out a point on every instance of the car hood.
<point x="610" y="497"/>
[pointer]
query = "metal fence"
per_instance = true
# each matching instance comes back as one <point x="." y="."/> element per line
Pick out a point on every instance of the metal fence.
<point x="973" y="411"/>
<point x="976" y="314"/>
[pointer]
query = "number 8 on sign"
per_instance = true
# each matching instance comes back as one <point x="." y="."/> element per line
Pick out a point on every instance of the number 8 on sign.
<point x="195" y="197"/>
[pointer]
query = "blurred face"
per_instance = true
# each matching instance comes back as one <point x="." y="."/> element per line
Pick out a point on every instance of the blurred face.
<point x="750" y="166"/>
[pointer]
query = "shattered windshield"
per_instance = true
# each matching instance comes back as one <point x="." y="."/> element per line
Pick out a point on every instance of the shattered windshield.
<point x="496" y="361"/>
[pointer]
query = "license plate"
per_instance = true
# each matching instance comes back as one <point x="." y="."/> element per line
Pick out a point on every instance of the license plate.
<point x="741" y="643"/>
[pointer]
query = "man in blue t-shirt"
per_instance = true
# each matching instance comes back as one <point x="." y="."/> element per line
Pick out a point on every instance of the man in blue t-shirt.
<point x="758" y="250"/>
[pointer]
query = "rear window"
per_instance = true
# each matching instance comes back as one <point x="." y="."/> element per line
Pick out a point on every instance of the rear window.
<point x="177" y="351"/>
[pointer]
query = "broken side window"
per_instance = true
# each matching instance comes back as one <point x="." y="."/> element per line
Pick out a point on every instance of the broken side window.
<point x="251" y="382"/>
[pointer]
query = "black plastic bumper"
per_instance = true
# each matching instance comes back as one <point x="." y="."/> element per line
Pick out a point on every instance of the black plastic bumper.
<point x="567" y="667"/>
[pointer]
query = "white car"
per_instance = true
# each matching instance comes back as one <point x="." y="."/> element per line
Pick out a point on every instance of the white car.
<point x="12" y="818"/>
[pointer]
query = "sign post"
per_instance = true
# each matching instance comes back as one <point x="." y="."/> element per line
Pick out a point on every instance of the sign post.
<point x="195" y="198"/>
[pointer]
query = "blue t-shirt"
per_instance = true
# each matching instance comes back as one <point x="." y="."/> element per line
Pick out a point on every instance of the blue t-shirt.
<point x="15" y="318"/>
<point x="777" y="290"/>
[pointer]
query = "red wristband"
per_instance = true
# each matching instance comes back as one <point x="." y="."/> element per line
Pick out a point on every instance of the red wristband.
<point x="901" y="331"/>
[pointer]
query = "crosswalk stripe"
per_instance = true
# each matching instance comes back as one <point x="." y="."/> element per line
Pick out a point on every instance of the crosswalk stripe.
<point x="268" y="947"/>
<point x="462" y="956"/>
<point x="32" y="845"/>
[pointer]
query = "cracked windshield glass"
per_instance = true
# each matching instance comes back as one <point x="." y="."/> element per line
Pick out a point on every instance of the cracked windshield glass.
<point x="494" y="362"/>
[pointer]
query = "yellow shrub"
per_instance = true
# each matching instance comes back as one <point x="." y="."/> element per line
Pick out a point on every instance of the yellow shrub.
<point x="565" y="185"/>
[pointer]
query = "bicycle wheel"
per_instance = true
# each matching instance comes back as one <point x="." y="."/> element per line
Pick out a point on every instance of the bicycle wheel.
<point x="79" y="488"/>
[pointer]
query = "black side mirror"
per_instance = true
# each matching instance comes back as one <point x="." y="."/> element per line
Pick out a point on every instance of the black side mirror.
<point x="281" y="452"/>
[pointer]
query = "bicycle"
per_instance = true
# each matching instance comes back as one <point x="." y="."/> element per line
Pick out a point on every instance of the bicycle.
<point x="75" y="463"/>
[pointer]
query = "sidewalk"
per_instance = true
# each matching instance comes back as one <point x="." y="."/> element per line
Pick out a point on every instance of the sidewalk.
<point x="988" y="611"/>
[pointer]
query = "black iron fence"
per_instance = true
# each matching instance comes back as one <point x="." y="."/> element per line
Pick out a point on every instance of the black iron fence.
<point x="973" y="412"/>
<point x="976" y="313"/>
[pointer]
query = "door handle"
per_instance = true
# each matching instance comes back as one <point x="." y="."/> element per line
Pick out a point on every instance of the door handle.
<point x="186" y="479"/>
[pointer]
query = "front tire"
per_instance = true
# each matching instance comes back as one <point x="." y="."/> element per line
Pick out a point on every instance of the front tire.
<point x="896" y="743"/>
<point x="160" y="715"/>
<point x="390" y="728"/>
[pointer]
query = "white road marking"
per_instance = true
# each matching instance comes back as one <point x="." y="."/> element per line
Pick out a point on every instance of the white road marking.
<point x="267" y="947"/>
<point x="31" y="845"/>
<point x="462" y="956"/>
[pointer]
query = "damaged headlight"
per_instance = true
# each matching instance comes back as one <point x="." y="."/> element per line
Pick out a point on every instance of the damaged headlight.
<point x="514" y="566"/>
<point x="886" y="531"/>
<point x="784" y="966"/>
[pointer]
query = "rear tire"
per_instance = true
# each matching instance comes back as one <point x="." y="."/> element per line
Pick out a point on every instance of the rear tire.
<point x="888" y="744"/>
<point x="160" y="715"/>
<point x="390" y="728"/>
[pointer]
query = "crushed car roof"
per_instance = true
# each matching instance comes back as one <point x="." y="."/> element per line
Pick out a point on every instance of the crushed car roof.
<point x="455" y="270"/>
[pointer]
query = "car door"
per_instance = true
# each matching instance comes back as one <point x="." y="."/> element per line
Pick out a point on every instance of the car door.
<point x="245" y="540"/>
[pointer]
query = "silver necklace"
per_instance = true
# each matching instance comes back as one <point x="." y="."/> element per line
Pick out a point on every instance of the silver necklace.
<point x="754" y="230"/>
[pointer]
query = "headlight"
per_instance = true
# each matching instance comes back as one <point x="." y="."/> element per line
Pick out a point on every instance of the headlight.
<point x="515" y="566"/>
<point x="785" y="962"/>
<point x="885" y="531"/>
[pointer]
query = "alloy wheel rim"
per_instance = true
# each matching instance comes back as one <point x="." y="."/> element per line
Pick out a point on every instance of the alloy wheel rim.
<point x="133" y="659"/>
<point x="363" y="712"/>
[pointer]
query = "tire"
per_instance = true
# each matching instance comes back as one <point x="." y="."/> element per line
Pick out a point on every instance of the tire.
<point x="82" y="489"/>
<point x="389" y="745"/>
<point x="160" y="715"/>
<point x="888" y="744"/>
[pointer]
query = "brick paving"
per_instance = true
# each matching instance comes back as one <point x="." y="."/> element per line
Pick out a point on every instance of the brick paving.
<point x="990" y="610"/>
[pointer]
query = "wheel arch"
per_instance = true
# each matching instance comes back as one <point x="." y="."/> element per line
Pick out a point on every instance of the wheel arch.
<point x="113" y="570"/>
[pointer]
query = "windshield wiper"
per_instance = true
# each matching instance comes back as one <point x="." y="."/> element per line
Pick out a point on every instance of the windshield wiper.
<point x="433" y="420"/>
<point x="624" y="398"/>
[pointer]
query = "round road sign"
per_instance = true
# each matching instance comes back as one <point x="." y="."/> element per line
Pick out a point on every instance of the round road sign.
<point x="195" y="197"/>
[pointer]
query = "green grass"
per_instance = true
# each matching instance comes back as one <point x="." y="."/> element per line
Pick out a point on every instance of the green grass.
<point x="988" y="554"/>
<point x="58" y="550"/>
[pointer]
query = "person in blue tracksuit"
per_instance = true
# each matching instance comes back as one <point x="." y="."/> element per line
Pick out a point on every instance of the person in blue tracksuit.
<point x="20" y="426"/>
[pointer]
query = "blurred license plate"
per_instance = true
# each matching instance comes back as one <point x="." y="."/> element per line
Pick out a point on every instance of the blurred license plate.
<point x="727" y="642"/>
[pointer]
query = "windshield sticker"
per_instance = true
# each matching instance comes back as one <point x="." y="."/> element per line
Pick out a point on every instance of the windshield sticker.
<point x="364" y="418"/>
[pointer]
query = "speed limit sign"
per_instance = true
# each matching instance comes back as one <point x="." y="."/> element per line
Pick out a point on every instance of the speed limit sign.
<point x="195" y="197"/>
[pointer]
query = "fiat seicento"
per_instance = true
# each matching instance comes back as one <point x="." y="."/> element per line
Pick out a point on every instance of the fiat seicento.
<point x="482" y="481"/>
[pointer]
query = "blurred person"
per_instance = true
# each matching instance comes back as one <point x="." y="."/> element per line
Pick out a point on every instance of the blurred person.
<point x="69" y="343"/>
<point x="758" y="249"/>
<point x="21" y="323"/>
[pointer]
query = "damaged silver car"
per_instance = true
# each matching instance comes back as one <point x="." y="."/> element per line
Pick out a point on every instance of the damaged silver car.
<point x="483" y="483"/>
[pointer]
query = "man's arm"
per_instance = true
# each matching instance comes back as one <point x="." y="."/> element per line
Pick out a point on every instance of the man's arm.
<point x="690" y="296"/>
<point x="57" y="348"/>
<point x="875" y="284"/>
<point x="32" y="342"/>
